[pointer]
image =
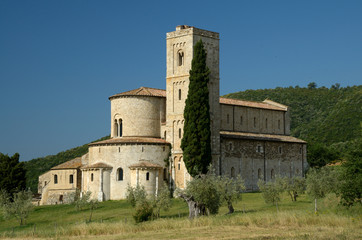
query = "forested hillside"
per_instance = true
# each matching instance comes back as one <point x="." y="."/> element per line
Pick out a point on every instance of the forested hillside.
<point x="36" y="167"/>
<point x="329" y="118"/>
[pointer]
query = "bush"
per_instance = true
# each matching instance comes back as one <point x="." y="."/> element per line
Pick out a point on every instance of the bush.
<point x="144" y="211"/>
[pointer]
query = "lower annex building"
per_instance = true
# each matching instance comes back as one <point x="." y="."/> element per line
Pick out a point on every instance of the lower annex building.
<point x="251" y="139"/>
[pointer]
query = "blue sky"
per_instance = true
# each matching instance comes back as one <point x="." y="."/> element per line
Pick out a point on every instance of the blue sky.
<point x="61" y="60"/>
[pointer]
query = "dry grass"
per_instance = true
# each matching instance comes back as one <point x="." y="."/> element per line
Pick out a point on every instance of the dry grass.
<point x="260" y="221"/>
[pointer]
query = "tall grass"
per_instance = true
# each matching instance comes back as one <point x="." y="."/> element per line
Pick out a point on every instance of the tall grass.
<point x="253" y="219"/>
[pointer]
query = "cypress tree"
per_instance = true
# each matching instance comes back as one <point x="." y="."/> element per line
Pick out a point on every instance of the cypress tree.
<point x="12" y="173"/>
<point x="195" y="143"/>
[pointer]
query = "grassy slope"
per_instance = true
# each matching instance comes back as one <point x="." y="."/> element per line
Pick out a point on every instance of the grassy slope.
<point x="113" y="220"/>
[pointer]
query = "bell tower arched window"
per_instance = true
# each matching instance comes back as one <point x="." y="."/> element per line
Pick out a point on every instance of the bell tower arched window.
<point x="55" y="179"/>
<point x="120" y="127"/>
<point x="180" y="58"/>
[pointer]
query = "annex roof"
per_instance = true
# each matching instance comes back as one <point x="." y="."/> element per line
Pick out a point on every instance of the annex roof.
<point x="142" y="91"/>
<point x="257" y="136"/>
<point x="128" y="140"/>
<point x="144" y="164"/>
<point x="97" y="165"/>
<point x="71" y="164"/>
<point x="267" y="104"/>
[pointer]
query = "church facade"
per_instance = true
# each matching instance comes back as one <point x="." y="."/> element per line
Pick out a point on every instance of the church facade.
<point x="251" y="139"/>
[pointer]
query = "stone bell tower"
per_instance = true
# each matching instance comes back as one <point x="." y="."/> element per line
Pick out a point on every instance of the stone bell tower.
<point x="180" y="49"/>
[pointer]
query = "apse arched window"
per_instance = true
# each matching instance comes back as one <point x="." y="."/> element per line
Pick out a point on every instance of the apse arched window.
<point x="115" y="128"/>
<point x="272" y="174"/>
<point x="71" y="179"/>
<point x="147" y="176"/>
<point x="120" y="174"/>
<point x="232" y="172"/>
<point x="55" y="179"/>
<point x="179" y="132"/>
<point x="120" y="127"/>
<point x="179" y="94"/>
<point x="92" y="177"/>
<point x="180" y="58"/>
<point x="259" y="173"/>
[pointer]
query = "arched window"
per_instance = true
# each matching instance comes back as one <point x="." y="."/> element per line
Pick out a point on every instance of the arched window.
<point x="232" y="172"/>
<point x="147" y="176"/>
<point x="280" y="149"/>
<point x="230" y="146"/>
<point x="259" y="173"/>
<point x="179" y="132"/>
<point x="45" y="183"/>
<point x="180" y="58"/>
<point x="272" y="175"/>
<point x="164" y="135"/>
<point x="55" y="179"/>
<point x="266" y="123"/>
<point x="120" y="127"/>
<point x="179" y="94"/>
<point x="71" y="178"/>
<point x="115" y="128"/>
<point x="92" y="177"/>
<point x="255" y="122"/>
<point x="120" y="174"/>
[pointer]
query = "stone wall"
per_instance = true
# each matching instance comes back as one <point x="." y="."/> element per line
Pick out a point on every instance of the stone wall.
<point x="123" y="156"/>
<point x="246" y="157"/>
<point x="140" y="115"/>
<point x="255" y="120"/>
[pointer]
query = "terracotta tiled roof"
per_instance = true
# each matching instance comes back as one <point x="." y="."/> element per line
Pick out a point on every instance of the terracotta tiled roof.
<point x="72" y="164"/>
<point x="97" y="165"/>
<point x="125" y="140"/>
<point x="256" y="136"/>
<point x="142" y="91"/>
<point x="145" y="164"/>
<point x="264" y="105"/>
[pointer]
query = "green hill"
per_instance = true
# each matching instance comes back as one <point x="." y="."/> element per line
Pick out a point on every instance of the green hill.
<point x="36" y="167"/>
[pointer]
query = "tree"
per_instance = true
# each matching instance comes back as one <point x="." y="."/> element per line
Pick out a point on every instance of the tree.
<point x="319" y="155"/>
<point x="162" y="201"/>
<point x="20" y="206"/>
<point x="195" y="143"/>
<point x="351" y="177"/>
<point x="230" y="189"/>
<point x="294" y="186"/>
<point x="312" y="85"/>
<point x="203" y="195"/>
<point x="320" y="182"/>
<point x="272" y="190"/>
<point x="12" y="174"/>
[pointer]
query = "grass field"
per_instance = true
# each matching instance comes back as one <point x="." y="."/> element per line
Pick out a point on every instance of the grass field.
<point x="253" y="219"/>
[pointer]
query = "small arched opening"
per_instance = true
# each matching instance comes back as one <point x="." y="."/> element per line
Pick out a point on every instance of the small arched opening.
<point x="147" y="176"/>
<point x="180" y="58"/>
<point x="55" y="179"/>
<point x="232" y="172"/>
<point x="92" y="177"/>
<point x="120" y="174"/>
<point x="272" y="174"/>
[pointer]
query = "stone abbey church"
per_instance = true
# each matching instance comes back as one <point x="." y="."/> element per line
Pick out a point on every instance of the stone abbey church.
<point x="251" y="139"/>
